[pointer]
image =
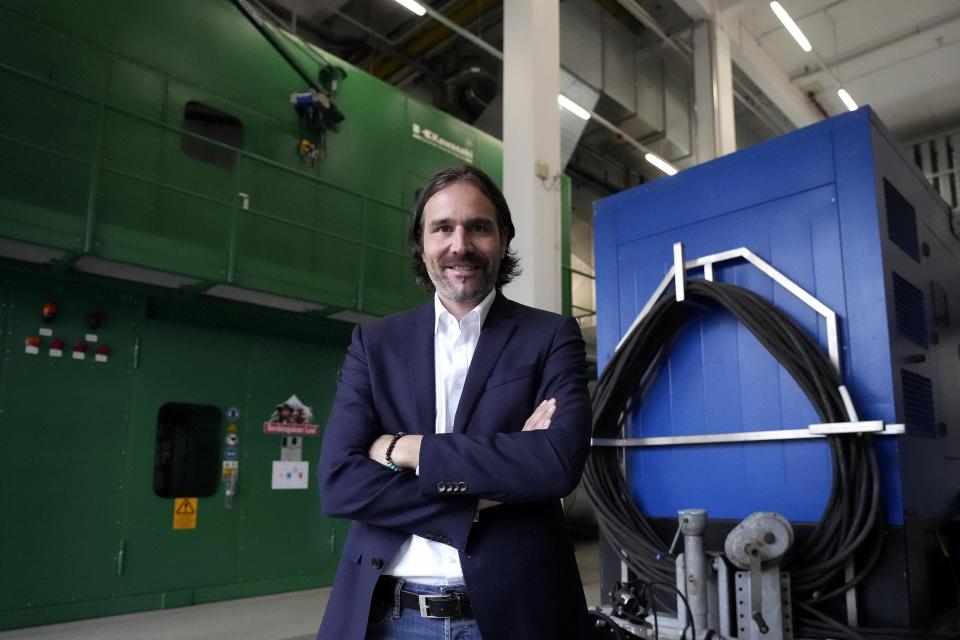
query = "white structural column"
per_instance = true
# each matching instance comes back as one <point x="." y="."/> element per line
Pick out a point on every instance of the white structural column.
<point x="531" y="135"/>
<point x="713" y="89"/>
<point x="754" y="61"/>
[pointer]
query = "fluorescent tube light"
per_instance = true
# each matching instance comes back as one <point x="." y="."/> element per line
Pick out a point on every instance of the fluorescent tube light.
<point x="847" y="100"/>
<point x="789" y="24"/>
<point x="573" y="107"/>
<point x="412" y="5"/>
<point x="660" y="163"/>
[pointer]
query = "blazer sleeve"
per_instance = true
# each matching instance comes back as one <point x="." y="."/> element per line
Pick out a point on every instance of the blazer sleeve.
<point x="520" y="466"/>
<point x="354" y="486"/>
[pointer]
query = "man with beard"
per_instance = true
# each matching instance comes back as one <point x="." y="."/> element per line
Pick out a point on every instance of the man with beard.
<point x="456" y="429"/>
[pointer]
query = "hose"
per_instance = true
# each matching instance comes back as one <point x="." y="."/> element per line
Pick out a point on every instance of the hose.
<point x="851" y="525"/>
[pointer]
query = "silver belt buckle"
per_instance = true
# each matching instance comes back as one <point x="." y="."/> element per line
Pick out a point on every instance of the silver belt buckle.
<point x="422" y="600"/>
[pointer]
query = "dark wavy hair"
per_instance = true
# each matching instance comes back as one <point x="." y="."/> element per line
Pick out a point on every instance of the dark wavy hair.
<point x="509" y="266"/>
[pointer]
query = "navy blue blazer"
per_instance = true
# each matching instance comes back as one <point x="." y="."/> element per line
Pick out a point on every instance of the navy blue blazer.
<point x="517" y="559"/>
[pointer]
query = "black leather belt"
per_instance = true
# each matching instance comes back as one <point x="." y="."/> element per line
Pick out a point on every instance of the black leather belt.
<point x="451" y="605"/>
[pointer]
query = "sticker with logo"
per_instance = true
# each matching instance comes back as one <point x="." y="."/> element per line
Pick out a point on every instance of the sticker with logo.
<point x="462" y="151"/>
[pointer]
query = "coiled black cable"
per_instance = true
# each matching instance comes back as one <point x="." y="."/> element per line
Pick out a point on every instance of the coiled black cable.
<point x="851" y="525"/>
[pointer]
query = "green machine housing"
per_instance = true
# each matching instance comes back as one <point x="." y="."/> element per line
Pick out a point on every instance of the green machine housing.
<point x="151" y="177"/>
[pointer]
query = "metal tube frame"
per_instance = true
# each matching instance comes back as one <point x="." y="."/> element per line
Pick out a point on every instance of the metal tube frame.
<point x="707" y="263"/>
<point x="678" y="274"/>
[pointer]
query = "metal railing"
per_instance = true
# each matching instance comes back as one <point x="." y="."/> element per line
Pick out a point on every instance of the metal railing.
<point x="232" y="202"/>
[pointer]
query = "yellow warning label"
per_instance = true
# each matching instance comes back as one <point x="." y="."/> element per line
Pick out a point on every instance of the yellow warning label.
<point x="184" y="513"/>
<point x="232" y="428"/>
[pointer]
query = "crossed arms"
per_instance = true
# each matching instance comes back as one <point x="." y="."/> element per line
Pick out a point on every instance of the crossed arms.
<point x="506" y="462"/>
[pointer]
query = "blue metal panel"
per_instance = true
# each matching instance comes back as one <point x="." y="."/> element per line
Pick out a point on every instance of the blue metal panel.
<point x="720" y="379"/>
<point x="866" y="337"/>
<point x="808" y="203"/>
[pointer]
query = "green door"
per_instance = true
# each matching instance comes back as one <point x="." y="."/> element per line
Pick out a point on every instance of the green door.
<point x="192" y="367"/>
<point x="283" y="532"/>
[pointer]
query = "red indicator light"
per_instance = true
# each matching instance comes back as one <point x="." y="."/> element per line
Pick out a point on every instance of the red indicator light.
<point x="49" y="312"/>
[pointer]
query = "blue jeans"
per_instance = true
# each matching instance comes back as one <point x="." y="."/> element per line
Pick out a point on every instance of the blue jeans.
<point x="397" y="623"/>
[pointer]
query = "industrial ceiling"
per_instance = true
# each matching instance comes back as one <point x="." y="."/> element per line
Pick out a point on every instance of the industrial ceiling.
<point x="901" y="58"/>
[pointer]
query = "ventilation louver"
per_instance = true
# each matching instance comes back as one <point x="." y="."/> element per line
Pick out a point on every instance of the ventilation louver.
<point x="918" y="403"/>
<point x="910" y="311"/>
<point x="901" y="221"/>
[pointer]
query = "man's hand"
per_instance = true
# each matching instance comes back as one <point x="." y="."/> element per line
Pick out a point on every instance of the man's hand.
<point x="540" y="418"/>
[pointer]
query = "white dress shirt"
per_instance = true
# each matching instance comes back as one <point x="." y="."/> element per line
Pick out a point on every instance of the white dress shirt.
<point x="420" y="560"/>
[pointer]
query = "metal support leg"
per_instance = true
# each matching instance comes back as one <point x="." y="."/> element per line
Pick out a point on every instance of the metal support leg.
<point x="693" y="523"/>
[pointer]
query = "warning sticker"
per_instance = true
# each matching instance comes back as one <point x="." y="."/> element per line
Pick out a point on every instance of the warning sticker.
<point x="184" y="513"/>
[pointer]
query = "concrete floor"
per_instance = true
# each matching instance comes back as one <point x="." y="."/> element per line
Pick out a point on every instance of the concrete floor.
<point x="285" y="616"/>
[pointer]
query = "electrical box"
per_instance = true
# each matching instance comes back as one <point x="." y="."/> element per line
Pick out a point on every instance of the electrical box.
<point x="839" y="210"/>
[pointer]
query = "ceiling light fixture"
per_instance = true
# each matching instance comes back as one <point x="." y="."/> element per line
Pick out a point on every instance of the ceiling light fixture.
<point x="412" y="5"/>
<point x="789" y="24"/>
<point x="847" y="100"/>
<point x="573" y="107"/>
<point x="660" y="163"/>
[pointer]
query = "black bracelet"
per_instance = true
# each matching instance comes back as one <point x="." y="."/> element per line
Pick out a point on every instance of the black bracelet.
<point x="390" y="463"/>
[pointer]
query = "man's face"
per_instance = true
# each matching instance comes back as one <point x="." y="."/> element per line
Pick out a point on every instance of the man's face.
<point x="462" y="244"/>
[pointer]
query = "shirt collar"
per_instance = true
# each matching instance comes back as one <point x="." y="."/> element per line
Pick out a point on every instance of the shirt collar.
<point x="481" y="311"/>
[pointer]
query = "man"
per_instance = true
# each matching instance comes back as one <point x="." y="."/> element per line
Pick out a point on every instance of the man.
<point x="456" y="429"/>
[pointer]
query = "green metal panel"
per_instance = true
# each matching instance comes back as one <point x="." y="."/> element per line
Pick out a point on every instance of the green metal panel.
<point x="131" y="146"/>
<point x="31" y="207"/>
<point x="63" y="425"/>
<point x="44" y="185"/>
<point x="93" y="23"/>
<point x="19" y="19"/>
<point x="39" y="111"/>
<point x="138" y="89"/>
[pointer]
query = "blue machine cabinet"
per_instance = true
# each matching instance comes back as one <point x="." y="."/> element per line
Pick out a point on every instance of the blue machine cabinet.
<point x="839" y="210"/>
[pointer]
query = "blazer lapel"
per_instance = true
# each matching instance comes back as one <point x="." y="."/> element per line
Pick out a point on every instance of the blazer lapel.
<point x="420" y="368"/>
<point x="497" y="329"/>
